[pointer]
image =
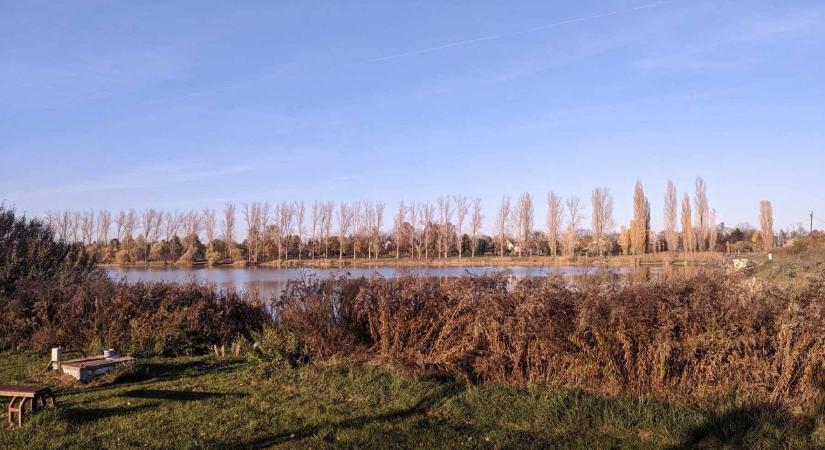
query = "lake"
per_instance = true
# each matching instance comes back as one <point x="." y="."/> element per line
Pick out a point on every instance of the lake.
<point x="271" y="281"/>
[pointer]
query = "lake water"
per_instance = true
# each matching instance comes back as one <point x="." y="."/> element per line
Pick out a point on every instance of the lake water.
<point x="271" y="281"/>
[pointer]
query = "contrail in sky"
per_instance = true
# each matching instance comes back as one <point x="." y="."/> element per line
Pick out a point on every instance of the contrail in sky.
<point x="511" y="34"/>
<point x="428" y="49"/>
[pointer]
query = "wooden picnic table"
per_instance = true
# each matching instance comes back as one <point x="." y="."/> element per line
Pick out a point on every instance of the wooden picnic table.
<point x="35" y="396"/>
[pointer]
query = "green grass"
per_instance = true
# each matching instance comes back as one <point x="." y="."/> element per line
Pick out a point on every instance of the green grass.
<point x="202" y="402"/>
<point x="788" y="268"/>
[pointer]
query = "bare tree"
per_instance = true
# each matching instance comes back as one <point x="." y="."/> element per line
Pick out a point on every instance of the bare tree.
<point x="59" y="224"/>
<point x="413" y="230"/>
<point x="254" y="216"/>
<point x="120" y="224"/>
<point x="228" y="228"/>
<point x="299" y="222"/>
<point x="87" y="226"/>
<point x="398" y="227"/>
<point x="713" y="236"/>
<point x="104" y="225"/>
<point x="688" y="241"/>
<point x="524" y="221"/>
<point x="194" y="224"/>
<point x="284" y="213"/>
<point x="377" y="222"/>
<point x="358" y="222"/>
<point x="445" y="213"/>
<point x="173" y="223"/>
<point x="571" y="234"/>
<point x="503" y="223"/>
<point x="317" y="225"/>
<point x="554" y="219"/>
<point x="476" y="219"/>
<point x="462" y="207"/>
<point x="345" y="216"/>
<point x="210" y="226"/>
<point x="74" y="226"/>
<point x="427" y="216"/>
<point x="129" y="226"/>
<point x="327" y="225"/>
<point x="602" y="216"/>
<point x="150" y="219"/>
<point x="640" y="225"/>
<point x="702" y="213"/>
<point x="670" y="212"/>
<point x="766" y="224"/>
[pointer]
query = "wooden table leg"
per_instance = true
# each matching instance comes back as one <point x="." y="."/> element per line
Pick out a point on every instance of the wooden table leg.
<point x="23" y="409"/>
<point x="11" y="404"/>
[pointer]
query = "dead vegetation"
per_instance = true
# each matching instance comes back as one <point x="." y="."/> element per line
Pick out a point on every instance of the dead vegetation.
<point x="704" y="337"/>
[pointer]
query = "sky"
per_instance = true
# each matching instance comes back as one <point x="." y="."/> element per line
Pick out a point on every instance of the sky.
<point x="187" y="105"/>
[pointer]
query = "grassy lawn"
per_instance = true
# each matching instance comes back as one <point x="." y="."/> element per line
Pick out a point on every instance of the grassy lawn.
<point x="202" y="402"/>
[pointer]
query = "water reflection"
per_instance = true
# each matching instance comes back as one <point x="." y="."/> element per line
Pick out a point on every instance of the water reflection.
<point x="270" y="282"/>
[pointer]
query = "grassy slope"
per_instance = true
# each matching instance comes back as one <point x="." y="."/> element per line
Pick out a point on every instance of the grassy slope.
<point x="208" y="403"/>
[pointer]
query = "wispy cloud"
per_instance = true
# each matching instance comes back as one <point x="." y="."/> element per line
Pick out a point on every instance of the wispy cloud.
<point x="730" y="50"/>
<point x="326" y="66"/>
<point x="492" y="37"/>
<point x="149" y="176"/>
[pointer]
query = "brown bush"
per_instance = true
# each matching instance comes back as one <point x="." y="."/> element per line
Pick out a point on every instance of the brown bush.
<point x="93" y="311"/>
<point x="702" y="337"/>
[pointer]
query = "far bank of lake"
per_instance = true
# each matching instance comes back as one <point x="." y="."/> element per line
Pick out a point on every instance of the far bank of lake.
<point x="269" y="282"/>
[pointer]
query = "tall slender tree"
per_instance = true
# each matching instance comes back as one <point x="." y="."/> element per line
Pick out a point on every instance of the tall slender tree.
<point x="670" y="217"/>
<point x="688" y="238"/>
<point x="640" y="226"/>
<point x="327" y="225"/>
<point x="524" y="221"/>
<point x="476" y="219"/>
<point x="104" y="226"/>
<point x="702" y="213"/>
<point x="571" y="235"/>
<point x="300" y="213"/>
<point x="555" y="212"/>
<point x="414" y="246"/>
<point x="345" y="215"/>
<point x="229" y="228"/>
<point x="462" y="207"/>
<point x="602" y="218"/>
<point x="377" y="223"/>
<point x="317" y="221"/>
<point x="398" y="227"/>
<point x="503" y="224"/>
<point x="445" y="214"/>
<point x="427" y="218"/>
<point x="766" y="224"/>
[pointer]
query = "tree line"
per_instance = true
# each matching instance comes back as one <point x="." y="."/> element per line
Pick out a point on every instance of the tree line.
<point x="449" y="227"/>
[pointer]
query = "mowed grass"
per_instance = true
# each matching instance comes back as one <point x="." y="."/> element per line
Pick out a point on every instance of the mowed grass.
<point x="203" y="402"/>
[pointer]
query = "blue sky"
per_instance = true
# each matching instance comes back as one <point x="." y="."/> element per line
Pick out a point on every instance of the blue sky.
<point x="192" y="104"/>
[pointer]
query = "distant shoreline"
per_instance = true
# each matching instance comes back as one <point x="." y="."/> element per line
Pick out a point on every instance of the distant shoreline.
<point x="653" y="259"/>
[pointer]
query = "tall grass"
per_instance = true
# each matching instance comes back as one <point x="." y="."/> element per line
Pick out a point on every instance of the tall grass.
<point x="709" y="336"/>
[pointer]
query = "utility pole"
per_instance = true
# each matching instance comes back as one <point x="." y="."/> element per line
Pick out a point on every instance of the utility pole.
<point x="811" y="229"/>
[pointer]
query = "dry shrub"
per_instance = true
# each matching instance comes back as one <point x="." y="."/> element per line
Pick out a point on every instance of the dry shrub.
<point x="322" y="314"/>
<point x="701" y="337"/>
<point x="93" y="311"/>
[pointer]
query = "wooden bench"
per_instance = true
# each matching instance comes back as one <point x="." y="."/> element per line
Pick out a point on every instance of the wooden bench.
<point x="20" y="395"/>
